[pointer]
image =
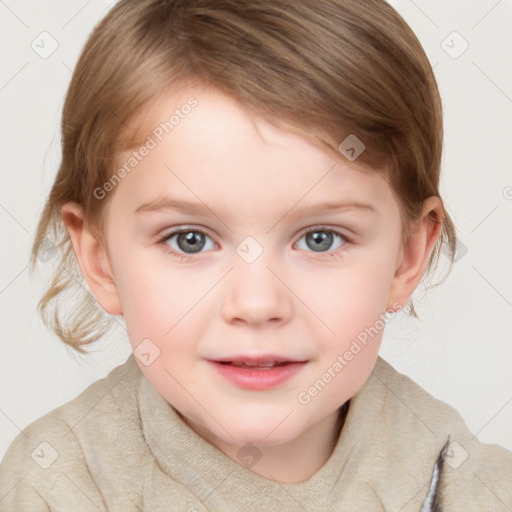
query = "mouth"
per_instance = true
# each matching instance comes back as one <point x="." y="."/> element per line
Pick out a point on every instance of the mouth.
<point x="268" y="365"/>
<point x="262" y="362"/>
<point x="258" y="373"/>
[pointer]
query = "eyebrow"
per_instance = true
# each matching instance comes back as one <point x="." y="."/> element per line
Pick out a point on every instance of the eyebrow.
<point x="169" y="204"/>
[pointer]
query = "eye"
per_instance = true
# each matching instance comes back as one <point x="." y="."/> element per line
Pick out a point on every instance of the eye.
<point x="321" y="240"/>
<point x="187" y="241"/>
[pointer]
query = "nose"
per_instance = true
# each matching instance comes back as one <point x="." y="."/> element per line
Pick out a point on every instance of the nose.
<point x="256" y="294"/>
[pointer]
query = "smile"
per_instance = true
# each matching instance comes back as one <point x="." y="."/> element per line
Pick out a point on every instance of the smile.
<point x="257" y="375"/>
<point x="256" y="366"/>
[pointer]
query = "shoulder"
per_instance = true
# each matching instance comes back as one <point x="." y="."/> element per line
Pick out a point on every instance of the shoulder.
<point x="475" y="475"/>
<point x="56" y="456"/>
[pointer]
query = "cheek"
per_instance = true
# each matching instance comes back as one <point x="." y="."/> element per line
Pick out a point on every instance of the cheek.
<point x="350" y="296"/>
<point x="159" y="300"/>
<point x="354" y="311"/>
<point x="153" y="304"/>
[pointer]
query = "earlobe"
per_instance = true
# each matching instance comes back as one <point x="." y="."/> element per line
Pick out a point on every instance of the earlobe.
<point x="92" y="258"/>
<point x="416" y="251"/>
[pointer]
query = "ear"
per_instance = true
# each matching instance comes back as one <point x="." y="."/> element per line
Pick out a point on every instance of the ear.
<point x="92" y="258"/>
<point x="414" y="255"/>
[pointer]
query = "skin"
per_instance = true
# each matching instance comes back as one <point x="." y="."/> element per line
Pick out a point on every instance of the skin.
<point x="292" y="300"/>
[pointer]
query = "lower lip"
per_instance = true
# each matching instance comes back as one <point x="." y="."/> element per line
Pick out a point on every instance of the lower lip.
<point x="258" y="379"/>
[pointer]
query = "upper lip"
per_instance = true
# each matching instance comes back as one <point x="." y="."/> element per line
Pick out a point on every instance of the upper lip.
<point x="258" y="359"/>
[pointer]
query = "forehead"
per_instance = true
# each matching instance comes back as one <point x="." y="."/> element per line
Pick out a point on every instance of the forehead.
<point x="208" y="147"/>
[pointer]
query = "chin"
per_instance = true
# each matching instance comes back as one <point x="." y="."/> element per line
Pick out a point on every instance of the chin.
<point x="262" y="427"/>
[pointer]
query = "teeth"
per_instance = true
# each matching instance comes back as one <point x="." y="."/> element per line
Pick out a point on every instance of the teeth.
<point x="248" y="364"/>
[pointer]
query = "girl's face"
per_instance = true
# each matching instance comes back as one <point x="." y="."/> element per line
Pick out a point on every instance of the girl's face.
<point x="234" y="243"/>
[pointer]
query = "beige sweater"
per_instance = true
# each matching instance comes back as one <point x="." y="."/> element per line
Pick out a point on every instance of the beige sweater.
<point x="119" y="446"/>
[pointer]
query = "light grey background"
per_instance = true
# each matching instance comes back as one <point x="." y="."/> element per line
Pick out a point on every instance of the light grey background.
<point x="461" y="349"/>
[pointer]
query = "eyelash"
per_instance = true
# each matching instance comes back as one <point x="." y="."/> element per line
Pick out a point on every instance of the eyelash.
<point x="187" y="257"/>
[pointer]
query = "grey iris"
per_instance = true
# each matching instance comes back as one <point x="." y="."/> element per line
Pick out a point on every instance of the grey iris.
<point x="191" y="240"/>
<point x="321" y="240"/>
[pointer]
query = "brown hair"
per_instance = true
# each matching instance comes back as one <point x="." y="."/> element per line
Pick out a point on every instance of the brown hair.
<point x="327" y="68"/>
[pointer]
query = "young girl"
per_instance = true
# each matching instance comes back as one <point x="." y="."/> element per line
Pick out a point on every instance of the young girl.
<point x="295" y="146"/>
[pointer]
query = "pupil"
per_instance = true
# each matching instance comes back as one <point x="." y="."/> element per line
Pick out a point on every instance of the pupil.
<point x="322" y="240"/>
<point x="191" y="240"/>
